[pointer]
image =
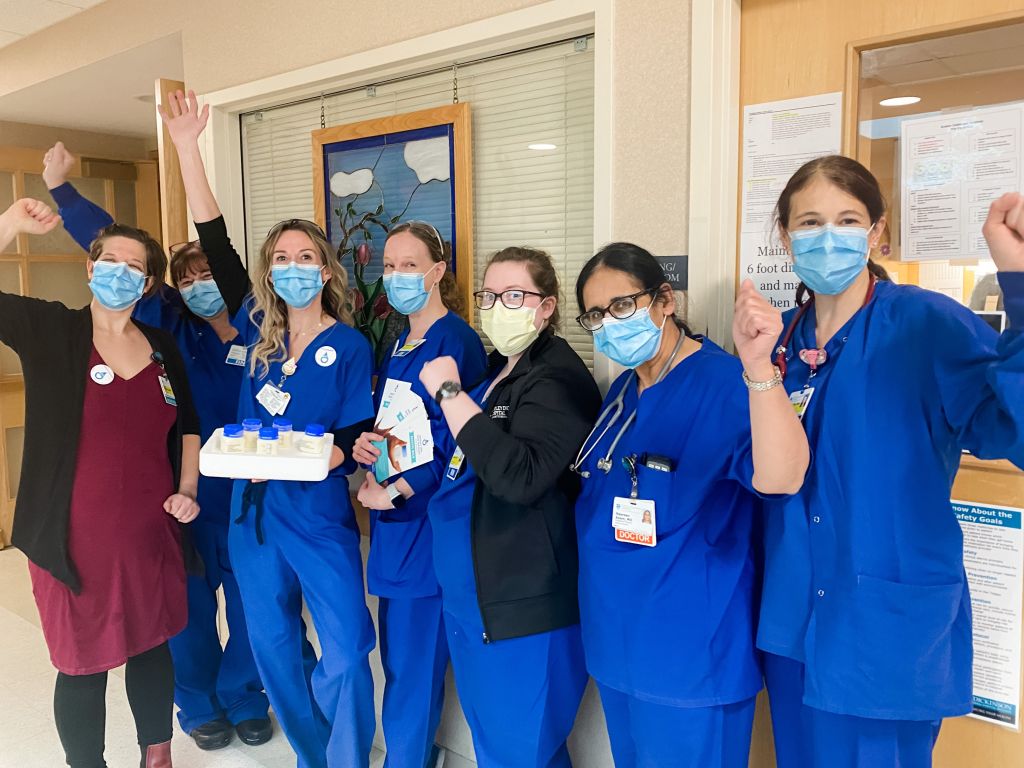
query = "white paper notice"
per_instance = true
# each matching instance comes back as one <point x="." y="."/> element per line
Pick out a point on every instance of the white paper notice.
<point x="994" y="559"/>
<point x="779" y="137"/>
<point x="953" y="165"/>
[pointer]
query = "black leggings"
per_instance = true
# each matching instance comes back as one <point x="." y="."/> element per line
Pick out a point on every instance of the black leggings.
<point x="79" y="707"/>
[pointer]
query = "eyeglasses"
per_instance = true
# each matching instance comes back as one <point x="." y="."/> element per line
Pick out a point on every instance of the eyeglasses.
<point x="621" y="307"/>
<point x="177" y="247"/>
<point x="292" y="223"/>
<point x="512" y="298"/>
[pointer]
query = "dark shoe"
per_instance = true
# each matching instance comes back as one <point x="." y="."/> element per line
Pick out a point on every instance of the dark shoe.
<point x="157" y="756"/>
<point x="215" y="734"/>
<point x="255" y="732"/>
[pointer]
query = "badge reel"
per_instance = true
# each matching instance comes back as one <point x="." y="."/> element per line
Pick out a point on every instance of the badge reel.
<point x="801" y="398"/>
<point x="633" y="518"/>
<point x="274" y="399"/>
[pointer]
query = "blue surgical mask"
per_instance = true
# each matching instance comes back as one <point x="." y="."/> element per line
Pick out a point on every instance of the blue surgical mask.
<point x="116" y="285"/>
<point x="630" y="342"/>
<point x="405" y="291"/>
<point x="828" y="259"/>
<point x="297" y="284"/>
<point x="203" y="298"/>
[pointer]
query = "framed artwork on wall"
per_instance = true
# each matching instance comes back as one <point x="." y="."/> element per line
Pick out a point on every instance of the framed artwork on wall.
<point x="372" y="175"/>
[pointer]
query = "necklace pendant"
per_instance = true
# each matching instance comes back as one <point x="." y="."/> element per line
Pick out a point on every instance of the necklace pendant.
<point x="289" y="367"/>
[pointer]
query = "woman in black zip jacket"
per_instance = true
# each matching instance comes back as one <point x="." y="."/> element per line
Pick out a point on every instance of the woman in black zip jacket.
<point x="504" y="537"/>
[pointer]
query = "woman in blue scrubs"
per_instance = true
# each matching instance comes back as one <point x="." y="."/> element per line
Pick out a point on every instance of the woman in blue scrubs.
<point x="400" y="568"/>
<point x="672" y="472"/>
<point x="504" y="544"/>
<point x="298" y="541"/>
<point x="865" y="614"/>
<point x="218" y="690"/>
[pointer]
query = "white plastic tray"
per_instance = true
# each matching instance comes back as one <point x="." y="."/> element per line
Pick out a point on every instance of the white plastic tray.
<point x="288" y="464"/>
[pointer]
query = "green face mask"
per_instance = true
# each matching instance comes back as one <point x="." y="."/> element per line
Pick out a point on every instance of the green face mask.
<point x="510" y="330"/>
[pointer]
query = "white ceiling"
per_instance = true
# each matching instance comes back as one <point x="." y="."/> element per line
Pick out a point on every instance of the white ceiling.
<point x="113" y="95"/>
<point x="19" y="18"/>
<point x="990" y="50"/>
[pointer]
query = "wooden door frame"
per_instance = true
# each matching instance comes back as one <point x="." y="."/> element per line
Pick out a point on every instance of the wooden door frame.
<point x="851" y="91"/>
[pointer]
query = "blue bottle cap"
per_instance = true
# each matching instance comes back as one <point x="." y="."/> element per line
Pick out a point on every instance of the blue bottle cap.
<point x="283" y="425"/>
<point x="268" y="433"/>
<point x="232" y="430"/>
<point x="315" y="430"/>
<point x="252" y="425"/>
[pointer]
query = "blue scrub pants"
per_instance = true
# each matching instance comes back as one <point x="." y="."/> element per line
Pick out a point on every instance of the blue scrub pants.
<point x="519" y="696"/>
<point x="648" y="735"/>
<point x="414" y="653"/>
<point x="806" y="737"/>
<point x="311" y="552"/>
<point x="211" y="682"/>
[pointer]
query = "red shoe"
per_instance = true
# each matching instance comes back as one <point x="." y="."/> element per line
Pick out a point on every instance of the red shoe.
<point x="157" y="756"/>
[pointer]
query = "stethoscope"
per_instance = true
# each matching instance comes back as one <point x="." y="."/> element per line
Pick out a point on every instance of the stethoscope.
<point x="612" y="413"/>
<point x="812" y="357"/>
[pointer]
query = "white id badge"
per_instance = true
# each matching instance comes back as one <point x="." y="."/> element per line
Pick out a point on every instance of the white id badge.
<point x="455" y="464"/>
<point x="236" y="355"/>
<point x="634" y="521"/>
<point x="168" y="392"/>
<point x="800" y="400"/>
<point x="273" y="399"/>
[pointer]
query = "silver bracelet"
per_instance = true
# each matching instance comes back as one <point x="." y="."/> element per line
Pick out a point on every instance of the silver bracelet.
<point x="763" y="386"/>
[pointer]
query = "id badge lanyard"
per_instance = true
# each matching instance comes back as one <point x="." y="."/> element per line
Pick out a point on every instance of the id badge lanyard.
<point x="611" y="414"/>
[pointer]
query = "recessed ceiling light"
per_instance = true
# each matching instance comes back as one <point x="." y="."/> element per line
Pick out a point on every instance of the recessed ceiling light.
<point x="542" y="146"/>
<point x="900" y="101"/>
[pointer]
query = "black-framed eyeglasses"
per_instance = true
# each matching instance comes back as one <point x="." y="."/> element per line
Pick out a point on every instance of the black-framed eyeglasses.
<point x="513" y="298"/>
<point x="621" y="308"/>
<point x="291" y="223"/>
<point x="178" y="247"/>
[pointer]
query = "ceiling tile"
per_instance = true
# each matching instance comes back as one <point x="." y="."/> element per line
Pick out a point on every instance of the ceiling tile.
<point x="27" y="16"/>
<point x="987" y="61"/>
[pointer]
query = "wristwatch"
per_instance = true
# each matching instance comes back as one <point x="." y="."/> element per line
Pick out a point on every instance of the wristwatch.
<point x="763" y="386"/>
<point x="397" y="499"/>
<point x="447" y="391"/>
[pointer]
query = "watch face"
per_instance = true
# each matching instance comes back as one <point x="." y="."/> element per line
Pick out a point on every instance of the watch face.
<point x="450" y="388"/>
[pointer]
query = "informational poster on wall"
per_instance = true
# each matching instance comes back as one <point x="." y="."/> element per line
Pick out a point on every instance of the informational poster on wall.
<point x="994" y="559"/>
<point x="779" y="137"/>
<point x="953" y="166"/>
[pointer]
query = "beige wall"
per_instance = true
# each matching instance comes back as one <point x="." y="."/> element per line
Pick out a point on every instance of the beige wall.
<point x="651" y="120"/>
<point x="227" y="42"/>
<point x="85" y="143"/>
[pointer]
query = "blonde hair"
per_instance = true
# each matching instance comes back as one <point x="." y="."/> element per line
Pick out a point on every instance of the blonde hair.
<point x="269" y="310"/>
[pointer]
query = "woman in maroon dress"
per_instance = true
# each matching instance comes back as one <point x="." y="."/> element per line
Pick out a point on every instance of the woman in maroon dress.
<point x="109" y="473"/>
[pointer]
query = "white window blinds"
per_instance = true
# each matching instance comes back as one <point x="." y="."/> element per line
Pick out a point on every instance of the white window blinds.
<point x="538" y="198"/>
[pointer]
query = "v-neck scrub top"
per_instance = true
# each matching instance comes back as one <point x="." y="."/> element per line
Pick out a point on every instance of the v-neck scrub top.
<point x="673" y="624"/>
<point x="864" y="579"/>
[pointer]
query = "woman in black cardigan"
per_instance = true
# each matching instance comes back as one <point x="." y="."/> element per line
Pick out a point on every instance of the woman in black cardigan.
<point x="110" y="469"/>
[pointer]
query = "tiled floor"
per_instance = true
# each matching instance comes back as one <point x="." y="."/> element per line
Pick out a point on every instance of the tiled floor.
<point x="27" y="735"/>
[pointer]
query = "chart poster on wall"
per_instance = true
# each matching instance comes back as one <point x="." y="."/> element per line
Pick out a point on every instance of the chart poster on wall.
<point x="779" y="137"/>
<point x="994" y="559"/>
<point x="953" y="165"/>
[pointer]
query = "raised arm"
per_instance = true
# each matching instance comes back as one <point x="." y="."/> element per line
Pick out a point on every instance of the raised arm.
<point x="980" y="378"/>
<point x="28" y="217"/>
<point x="779" y="444"/>
<point x="82" y="219"/>
<point x="185" y="122"/>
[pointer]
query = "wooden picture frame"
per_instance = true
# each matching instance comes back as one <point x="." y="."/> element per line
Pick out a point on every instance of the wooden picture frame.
<point x="340" y="155"/>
